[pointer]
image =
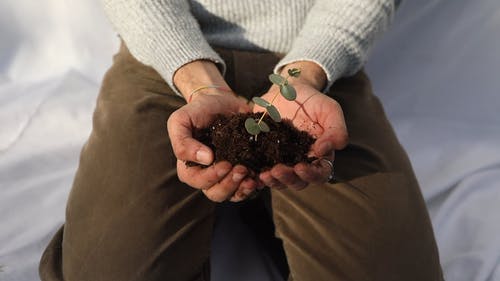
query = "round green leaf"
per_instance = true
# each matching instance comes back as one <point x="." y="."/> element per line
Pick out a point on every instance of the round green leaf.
<point x="263" y="127"/>
<point x="288" y="92"/>
<point x="252" y="127"/>
<point x="276" y="79"/>
<point x="274" y="113"/>
<point x="294" y="72"/>
<point x="260" y="101"/>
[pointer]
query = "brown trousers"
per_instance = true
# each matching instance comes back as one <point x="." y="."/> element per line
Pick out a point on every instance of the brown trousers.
<point x="129" y="217"/>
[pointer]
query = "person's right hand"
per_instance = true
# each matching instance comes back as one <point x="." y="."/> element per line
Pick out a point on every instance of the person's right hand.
<point x="220" y="181"/>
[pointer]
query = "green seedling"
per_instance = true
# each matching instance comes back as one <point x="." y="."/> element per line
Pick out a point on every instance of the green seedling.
<point x="257" y="126"/>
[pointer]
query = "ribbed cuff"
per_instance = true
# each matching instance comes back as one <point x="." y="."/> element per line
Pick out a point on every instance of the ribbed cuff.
<point x="336" y="61"/>
<point x="168" y="57"/>
<point x="165" y="37"/>
<point x="338" y="34"/>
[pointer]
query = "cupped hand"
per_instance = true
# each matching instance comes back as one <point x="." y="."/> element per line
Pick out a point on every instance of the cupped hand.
<point x="320" y="116"/>
<point x="219" y="181"/>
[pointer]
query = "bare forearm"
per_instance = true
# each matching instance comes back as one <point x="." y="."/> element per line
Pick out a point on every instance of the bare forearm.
<point x="196" y="74"/>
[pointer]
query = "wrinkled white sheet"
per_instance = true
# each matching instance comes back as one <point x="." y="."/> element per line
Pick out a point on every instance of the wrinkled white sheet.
<point x="436" y="72"/>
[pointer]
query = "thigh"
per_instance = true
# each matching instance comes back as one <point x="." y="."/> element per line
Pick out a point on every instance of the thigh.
<point x="370" y="225"/>
<point x="128" y="217"/>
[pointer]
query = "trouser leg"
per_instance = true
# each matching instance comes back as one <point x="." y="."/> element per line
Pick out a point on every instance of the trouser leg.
<point x="128" y="217"/>
<point x="372" y="224"/>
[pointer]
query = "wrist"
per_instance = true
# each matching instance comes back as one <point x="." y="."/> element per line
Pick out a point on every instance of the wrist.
<point x="198" y="77"/>
<point x="311" y="74"/>
<point x="208" y="90"/>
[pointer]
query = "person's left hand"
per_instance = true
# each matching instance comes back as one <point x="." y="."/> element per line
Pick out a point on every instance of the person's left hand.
<point x="322" y="117"/>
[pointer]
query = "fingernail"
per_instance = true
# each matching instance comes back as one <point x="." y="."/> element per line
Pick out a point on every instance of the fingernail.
<point x="203" y="157"/>
<point x="238" y="177"/>
<point x="222" y="172"/>
<point x="247" y="191"/>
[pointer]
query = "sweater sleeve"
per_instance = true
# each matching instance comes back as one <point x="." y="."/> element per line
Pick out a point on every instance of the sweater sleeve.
<point x="160" y="33"/>
<point x="338" y="34"/>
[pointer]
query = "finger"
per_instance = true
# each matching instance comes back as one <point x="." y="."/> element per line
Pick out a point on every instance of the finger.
<point x="317" y="172"/>
<point x="269" y="180"/>
<point x="185" y="147"/>
<point x="244" y="105"/>
<point x="247" y="187"/>
<point x="329" y="141"/>
<point x="202" y="177"/>
<point x="224" y="189"/>
<point x="286" y="176"/>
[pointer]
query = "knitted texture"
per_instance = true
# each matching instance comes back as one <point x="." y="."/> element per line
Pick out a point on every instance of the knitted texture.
<point x="335" y="34"/>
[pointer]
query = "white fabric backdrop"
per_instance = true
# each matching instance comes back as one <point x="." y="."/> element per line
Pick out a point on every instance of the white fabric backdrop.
<point x="436" y="72"/>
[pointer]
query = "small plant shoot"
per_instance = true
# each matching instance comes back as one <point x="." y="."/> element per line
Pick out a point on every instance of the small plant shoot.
<point x="255" y="127"/>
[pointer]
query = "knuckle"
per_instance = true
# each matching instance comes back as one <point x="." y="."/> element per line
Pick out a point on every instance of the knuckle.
<point x="181" y="172"/>
<point x="180" y="150"/>
<point x="171" y="120"/>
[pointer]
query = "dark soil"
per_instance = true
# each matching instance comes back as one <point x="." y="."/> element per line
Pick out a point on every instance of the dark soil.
<point x="230" y="141"/>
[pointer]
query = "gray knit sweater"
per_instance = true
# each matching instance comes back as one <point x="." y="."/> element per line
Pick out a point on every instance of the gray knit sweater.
<point x="166" y="34"/>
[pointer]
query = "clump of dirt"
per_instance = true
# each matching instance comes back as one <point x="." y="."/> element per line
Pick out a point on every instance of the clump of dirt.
<point x="230" y="141"/>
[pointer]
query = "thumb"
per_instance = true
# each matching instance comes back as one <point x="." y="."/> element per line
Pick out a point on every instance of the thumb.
<point x="185" y="147"/>
<point x="331" y="140"/>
